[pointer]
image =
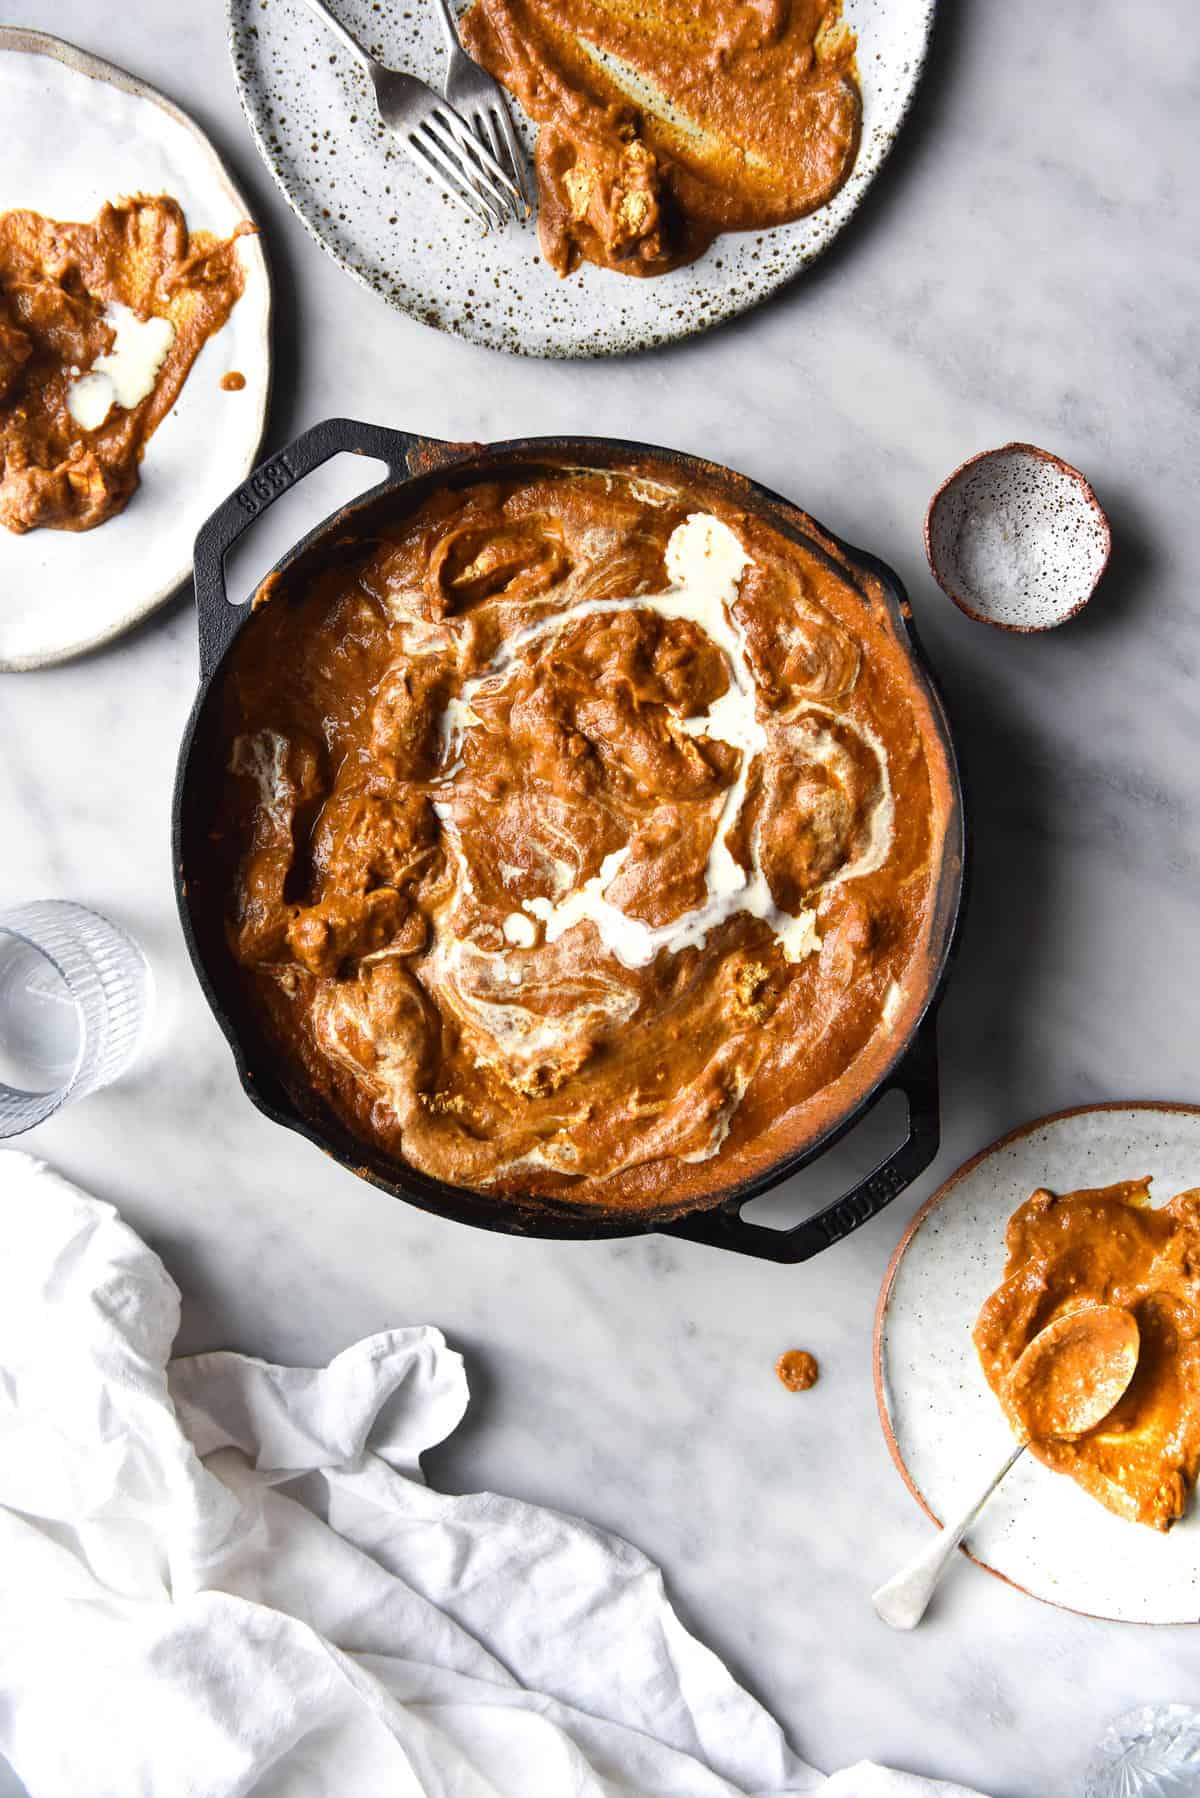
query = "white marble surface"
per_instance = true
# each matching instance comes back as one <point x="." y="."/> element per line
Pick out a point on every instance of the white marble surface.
<point x="1027" y="267"/>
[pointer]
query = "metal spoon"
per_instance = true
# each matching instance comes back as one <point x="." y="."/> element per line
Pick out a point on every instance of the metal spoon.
<point x="1065" y="1382"/>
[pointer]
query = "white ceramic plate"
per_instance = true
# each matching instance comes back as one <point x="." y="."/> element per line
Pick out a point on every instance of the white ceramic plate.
<point x="943" y="1424"/>
<point x="63" y="592"/>
<point x="313" y="116"/>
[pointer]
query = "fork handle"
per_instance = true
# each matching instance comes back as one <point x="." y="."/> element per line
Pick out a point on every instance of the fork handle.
<point x="339" y="31"/>
<point x="449" y="28"/>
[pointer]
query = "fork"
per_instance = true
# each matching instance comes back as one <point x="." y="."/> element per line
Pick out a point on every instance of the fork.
<point x="434" y="134"/>
<point x="480" y="100"/>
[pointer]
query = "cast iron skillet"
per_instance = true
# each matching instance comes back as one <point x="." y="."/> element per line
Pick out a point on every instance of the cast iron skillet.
<point x="415" y="464"/>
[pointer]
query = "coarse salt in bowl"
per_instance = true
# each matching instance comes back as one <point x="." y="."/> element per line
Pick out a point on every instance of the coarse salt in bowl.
<point x="1017" y="538"/>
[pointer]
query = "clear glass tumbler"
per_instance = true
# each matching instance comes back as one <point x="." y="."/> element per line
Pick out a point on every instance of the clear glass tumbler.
<point x="74" y="999"/>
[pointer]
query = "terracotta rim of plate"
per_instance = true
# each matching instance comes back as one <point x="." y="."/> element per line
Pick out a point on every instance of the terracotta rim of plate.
<point x="1088" y="493"/>
<point x="40" y="43"/>
<point x="885" y="1293"/>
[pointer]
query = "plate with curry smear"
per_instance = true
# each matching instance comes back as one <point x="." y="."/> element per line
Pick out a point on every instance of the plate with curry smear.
<point x="1055" y="1215"/>
<point x="134" y="348"/>
<point x="690" y="159"/>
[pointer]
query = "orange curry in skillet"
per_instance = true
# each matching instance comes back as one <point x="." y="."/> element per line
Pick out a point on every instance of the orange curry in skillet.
<point x="659" y="127"/>
<point x="579" y="837"/>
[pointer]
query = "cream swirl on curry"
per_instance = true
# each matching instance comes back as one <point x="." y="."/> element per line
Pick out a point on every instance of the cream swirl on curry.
<point x="579" y="837"/>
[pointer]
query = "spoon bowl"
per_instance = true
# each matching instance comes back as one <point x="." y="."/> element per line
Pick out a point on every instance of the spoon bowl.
<point x="1072" y="1373"/>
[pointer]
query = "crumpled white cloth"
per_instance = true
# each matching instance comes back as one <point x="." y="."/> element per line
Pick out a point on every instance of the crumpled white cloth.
<point x="221" y="1577"/>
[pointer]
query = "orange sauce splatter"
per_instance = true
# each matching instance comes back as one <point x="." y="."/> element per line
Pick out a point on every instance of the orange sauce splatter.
<point x="798" y="1370"/>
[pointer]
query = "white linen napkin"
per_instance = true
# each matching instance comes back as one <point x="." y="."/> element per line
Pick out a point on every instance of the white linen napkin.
<point x="221" y="1577"/>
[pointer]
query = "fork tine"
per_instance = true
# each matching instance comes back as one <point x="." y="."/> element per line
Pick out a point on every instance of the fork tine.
<point x="449" y="148"/>
<point x="480" y="126"/>
<point x="502" y="128"/>
<point x="427" y="166"/>
<point x="488" y="131"/>
<point x="446" y="154"/>
<point x="489" y="173"/>
<point x="471" y="173"/>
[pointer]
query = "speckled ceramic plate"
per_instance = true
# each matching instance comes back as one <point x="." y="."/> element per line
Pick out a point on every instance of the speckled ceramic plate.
<point x="313" y="116"/>
<point x="944" y="1427"/>
<point x="63" y="592"/>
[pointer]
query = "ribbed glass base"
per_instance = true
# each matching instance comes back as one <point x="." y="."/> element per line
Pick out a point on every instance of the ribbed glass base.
<point x="74" y="999"/>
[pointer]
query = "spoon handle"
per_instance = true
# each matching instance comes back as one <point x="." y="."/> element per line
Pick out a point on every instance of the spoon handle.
<point x="903" y="1600"/>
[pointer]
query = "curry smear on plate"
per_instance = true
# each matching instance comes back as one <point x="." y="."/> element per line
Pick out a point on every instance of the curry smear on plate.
<point x="1110" y="1246"/>
<point x="661" y="127"/>
<point x="100" y="324"/>
<point x="573" y="840"/>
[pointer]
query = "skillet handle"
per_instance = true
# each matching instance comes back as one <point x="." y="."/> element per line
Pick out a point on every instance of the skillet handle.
<point x="218" y="617"/>
<point x="917" y="1079"/>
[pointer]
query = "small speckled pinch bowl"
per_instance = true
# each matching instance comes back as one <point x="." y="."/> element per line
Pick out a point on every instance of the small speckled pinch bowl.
<point x="1017" y="538"/>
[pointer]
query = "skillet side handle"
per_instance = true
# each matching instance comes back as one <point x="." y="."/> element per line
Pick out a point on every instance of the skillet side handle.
<point x="218" y="617"/>
<point x="917" y="1079"/>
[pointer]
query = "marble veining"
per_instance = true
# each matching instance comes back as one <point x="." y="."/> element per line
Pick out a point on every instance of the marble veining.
<point x="1027" y="268"/>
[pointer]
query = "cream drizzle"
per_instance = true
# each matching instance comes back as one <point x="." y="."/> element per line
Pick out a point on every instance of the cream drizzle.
<point x="127" y="373"/>
<point x="705" y="562"/>
<point x="262" y="757"/>
<point x="505" y="1033"/>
